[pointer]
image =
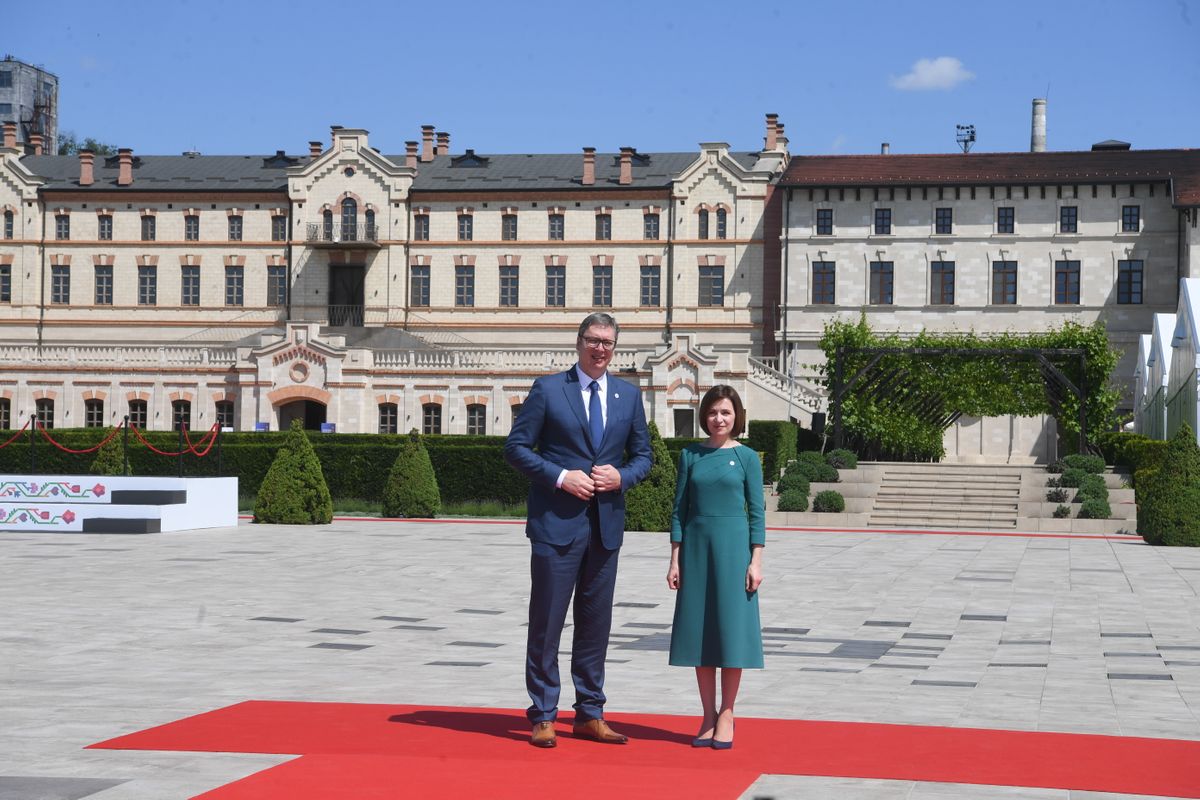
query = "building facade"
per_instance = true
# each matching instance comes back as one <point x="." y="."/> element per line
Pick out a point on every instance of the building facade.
<point x="29" y="97"/>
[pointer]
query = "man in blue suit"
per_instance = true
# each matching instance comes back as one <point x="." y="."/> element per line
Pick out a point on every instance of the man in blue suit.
<point x="582" y="440"/>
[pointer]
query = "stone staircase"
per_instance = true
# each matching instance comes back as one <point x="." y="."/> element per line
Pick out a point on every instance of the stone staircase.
<point x="948" y="496"/>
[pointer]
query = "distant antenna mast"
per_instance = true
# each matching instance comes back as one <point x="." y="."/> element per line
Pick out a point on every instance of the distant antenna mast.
<point x="965" y="136"/>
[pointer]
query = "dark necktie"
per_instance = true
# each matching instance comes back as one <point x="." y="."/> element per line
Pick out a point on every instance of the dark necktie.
<point x="595" y="415"/>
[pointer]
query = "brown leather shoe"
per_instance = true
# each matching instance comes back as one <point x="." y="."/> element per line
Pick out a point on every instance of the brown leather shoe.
<point x="543" y="735"/>
<point x="598" y="731"/>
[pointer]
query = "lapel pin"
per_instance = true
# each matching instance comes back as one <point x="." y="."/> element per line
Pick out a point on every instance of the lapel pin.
<point x="616" y="396"/>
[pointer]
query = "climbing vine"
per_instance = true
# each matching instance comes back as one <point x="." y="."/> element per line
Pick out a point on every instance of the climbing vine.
<point x="983" y="385"/>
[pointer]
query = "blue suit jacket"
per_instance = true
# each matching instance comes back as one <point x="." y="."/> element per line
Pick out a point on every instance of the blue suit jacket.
<point x="553" y="421"/>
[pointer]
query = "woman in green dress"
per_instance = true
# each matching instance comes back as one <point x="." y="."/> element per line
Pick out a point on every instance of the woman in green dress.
<point x="717" y="538"/>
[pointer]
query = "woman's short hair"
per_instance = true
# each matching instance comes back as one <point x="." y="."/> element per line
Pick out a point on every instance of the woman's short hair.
<point x="723" y="392"/>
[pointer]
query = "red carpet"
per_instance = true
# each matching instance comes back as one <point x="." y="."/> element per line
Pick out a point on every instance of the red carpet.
<point x="363" y="752"/>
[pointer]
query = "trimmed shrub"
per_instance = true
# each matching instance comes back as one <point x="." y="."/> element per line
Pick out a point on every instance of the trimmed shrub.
<point x="1057" y="467"/>
<point x="294" y="491"/>
<point x="829" y="501"/>
<point x="1057" y="495"/>
<point x="1062" y="512"/>
<point x="1094" y="508"/>
<point x="1071" y="477"/>
<point x="793" y="481"/>
<point x="792" y="501"/>
<point x="776" y="440"/>
<point x="1090" y="464"/>
<point x="648" y="505"/>
<point x="1159" y="491"/>
<point x="1180" y="526"/>
<point x="110" y="459"/>
<point x="412" y="488"/>
<point x="1091" y="487"/>
<point x="811" y="457"/>
<point x="841" y="458"/>
<point x="815" y="473"/>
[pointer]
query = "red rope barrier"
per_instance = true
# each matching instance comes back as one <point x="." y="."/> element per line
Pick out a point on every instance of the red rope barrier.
<point x="211" y="436"/>
<point x="151" y="447"/>
<point x="13" y="438"/>
<point x="50" y="439"/>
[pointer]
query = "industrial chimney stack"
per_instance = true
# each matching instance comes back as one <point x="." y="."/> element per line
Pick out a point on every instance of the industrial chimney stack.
<point x="1037" y="138"/>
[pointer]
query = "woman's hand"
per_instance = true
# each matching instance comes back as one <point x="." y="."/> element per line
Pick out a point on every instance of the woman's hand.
<point x="754" y="576"/>
<point x="673" y="575"/>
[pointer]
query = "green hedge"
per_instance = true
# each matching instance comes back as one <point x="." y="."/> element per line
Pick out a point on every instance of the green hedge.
<point x="829" y="501"/>
<point x="1131" y="450"/>
<point x="776" y="440"/>
<point x="793" y="500"/>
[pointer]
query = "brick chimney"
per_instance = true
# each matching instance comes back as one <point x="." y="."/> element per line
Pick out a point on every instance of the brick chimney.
<point x="780" y="139"/>
<point x="589" y="166"/>
<point x="427" y="143"/>
<point x="443" y="143"/>
<point x="125" y="171"/>
<point x="314" y="150"/>
<point x="626" y="166"/>
<point x="772" y="132"/>
<point x="10" y="134"/>
<point x="86" y="174"/>
<point x="410" y="154"/>
<point x="35" y="140"/>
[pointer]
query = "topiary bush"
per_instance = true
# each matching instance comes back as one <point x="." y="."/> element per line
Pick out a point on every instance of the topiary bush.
<point x="793" y="482"/>
<point x="110" y="459"/>
<point x="1180" y="525"/>
<point x="412" y="488"/>
<point x="294" y="491"/>
<point x="1161" y="492"/>
<point x="1093" y="465"/>
<point x="648" y="505"/>
<point x="815" y="473"/>
<point x="1091" y="487"/>
<point x="1094" y="508"/>
<point x="1057" y="495"/>
<point x="793" y="501"/>
<point x="1062" y="512"/>
<point x="841" y="458"/>
<point x="1071" y="477"/>
<point x="776" y="440"/>
<point x="829" y="501"/>
<point x="811" y="457"/>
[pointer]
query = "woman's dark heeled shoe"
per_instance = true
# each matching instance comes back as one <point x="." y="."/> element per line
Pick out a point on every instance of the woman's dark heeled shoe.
<point x="719" y="745"/>
<point x="702" y="742"/>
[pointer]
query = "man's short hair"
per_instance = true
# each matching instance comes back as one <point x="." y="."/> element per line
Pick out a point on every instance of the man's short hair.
<point x="599" y="318"/>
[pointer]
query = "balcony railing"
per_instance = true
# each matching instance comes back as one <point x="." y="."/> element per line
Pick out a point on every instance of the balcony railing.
<point x="343" y="235"/>
<point x="346" y="316"/>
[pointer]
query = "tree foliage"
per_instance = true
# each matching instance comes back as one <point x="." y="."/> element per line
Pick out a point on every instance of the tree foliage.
<point x="648" y="505"/>
<point x="1168" y="509"/>
<point x="69" y="145"/>
<point x="110" y="459"/>
<point x="982" y="386"/>
<point x="412" y="488"/>
<point x="294" y="491"/>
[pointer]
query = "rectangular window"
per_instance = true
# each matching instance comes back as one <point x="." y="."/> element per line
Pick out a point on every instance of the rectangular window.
<point x="225" y="413"/>
<point x="712" y="285"/>
<point x="104" y="285"/>
<point x="191" y="228"/>
<point x="279" y="229"/>
<point x="556" y="286"/>
<point x="882" y="275"/>
<point x="824" y="283"/>
<point x="1004" y="283"/>
<point x="1131" y="218"/>
<point x="5" y="108"/>
<point x="6" y="79"/>
<point x="702" y="224"/>
<point x="650" y="226"/>
<point x="235" y="228"/>
<point x="651" y="283"/>
<point x="508" y="227"/>
<point x="104" y="227"/>
<point x="722" y="223"/>
<point x="148" y="229"/>
<point x="421" y="228"/>
<point x="1068" y="219"/>
<point x="824" y="222"/>
<point x="389" y="418"/>
<point x="60" y="284"/>
<point x="5" y="414"/>
<point x="189" y="285"/>
<point x="431" y="418"/>
<point x="1129" y="282"/>
<point x="277" y="285"/>
<point x="181" y="415"/>
<point x="1006" y="219"/>
<point x="943" y="220"/>
<point x="603" y="227"/>
<point x="8" y="224"/>
<point x="464" y="285"/>
<point x="466" y="227"/>
<point x="44" y="408"/>
<point x="602" y="287"/>
<point x="476" y="419"/>
<point x="62" y="226"/>
<point x="1066" y="283"/>
<point x="557" y="228"/>
<point x="235" y="286"/>
<point x="941" y="291"/>
<point x="418" y="286"/>
<point x="147" y="286"/>
<point x="138" y="413"/>
<point x="883" y="221"/>
<point x="5" y="283"/>
<point x="509" y="286"/>
<point x="93" y="413"/>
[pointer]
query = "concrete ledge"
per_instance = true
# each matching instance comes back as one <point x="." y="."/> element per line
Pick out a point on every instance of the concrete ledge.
<point x="811" y="519"/>
<point x="1093" y="526"/>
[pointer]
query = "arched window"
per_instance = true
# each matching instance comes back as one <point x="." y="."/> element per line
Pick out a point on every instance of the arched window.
<point x="349" y="220"/>
<point x="181" y="414"/>
<point x="476" y="419"/>
<point x="721" y="223"/>
<point x="370" y="217"/>
<point x="327" y="220"/>
<point x="44" y="408"/>
<point x="137" y="414"/>
<point x="93" y="413"/>
<point x="225" y="413"/>
<point x="702" y="224"/>
<point x="431" y="418"/>
<point x="389" y="418"/>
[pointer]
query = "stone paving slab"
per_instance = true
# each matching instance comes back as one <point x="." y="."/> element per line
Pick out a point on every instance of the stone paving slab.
<point x="116" y="634"/>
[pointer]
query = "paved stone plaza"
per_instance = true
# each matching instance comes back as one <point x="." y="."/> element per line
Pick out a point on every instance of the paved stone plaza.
<point x="105" y="635"/>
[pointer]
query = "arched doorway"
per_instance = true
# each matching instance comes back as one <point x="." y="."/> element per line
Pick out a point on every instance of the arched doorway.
<point x="311" y="414"/>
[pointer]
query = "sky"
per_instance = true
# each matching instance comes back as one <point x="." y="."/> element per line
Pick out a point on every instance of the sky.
<point x="256" y="76"/>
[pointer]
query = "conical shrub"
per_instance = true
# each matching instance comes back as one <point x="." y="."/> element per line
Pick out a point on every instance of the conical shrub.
<point x="1166" y="499"/>
<point x="110" y="459"/>
<point x="648" y="505"/>
<point x="294" y="491"/>
<point x="412" y="488"/>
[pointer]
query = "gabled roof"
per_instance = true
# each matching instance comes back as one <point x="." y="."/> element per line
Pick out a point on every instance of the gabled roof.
<point x="170" y="173"/>
<point x="1181" y="167"/>
<point x="1186" y="321"/>
<point x="1159" y="355"/>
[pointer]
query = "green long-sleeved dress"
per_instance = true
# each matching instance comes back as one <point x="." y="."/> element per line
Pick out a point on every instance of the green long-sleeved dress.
<point x="718" y="516"/>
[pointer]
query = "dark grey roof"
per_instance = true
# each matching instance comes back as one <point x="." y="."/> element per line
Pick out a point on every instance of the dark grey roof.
<point x="446" y="173"/>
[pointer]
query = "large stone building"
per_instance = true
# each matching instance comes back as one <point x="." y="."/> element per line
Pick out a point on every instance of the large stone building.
<point x="29" y="97"/>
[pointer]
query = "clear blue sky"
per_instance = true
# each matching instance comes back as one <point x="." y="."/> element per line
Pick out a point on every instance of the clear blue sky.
<point x="255" y="76"/>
